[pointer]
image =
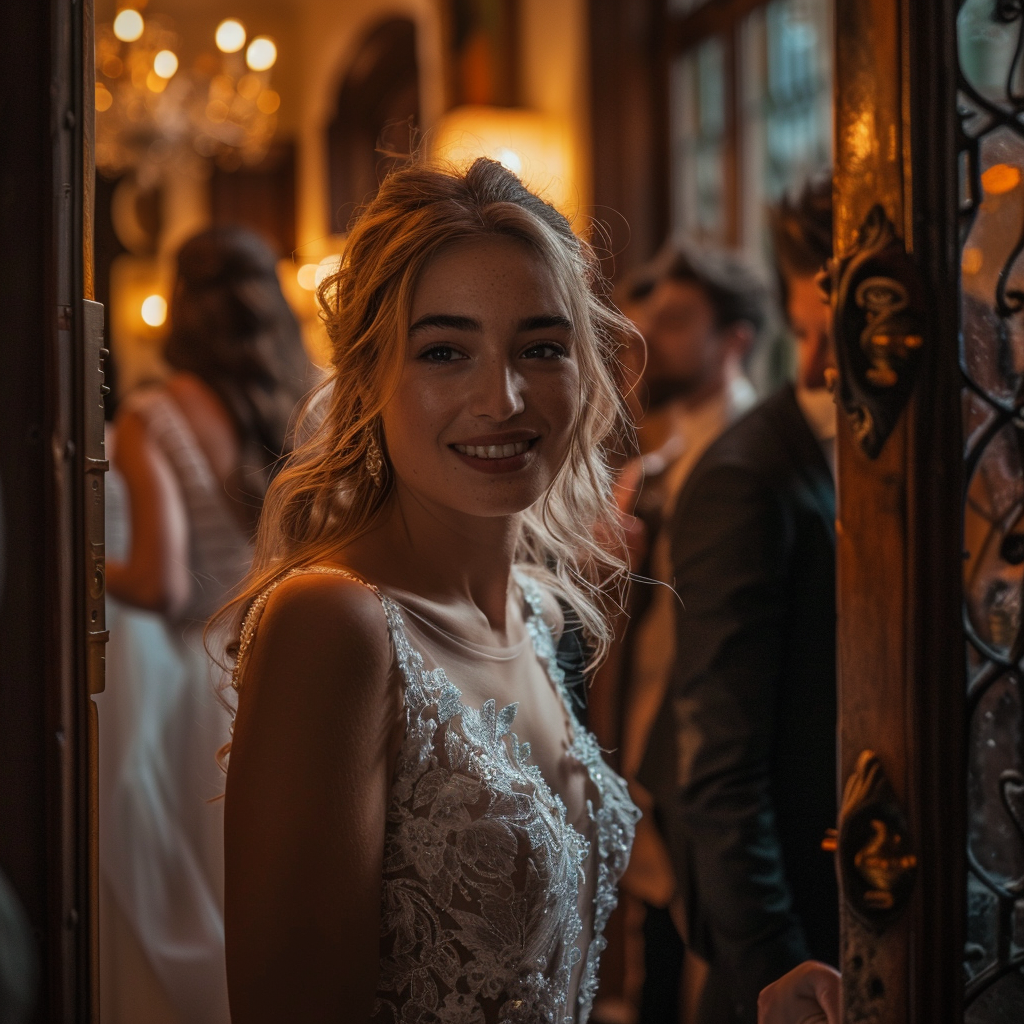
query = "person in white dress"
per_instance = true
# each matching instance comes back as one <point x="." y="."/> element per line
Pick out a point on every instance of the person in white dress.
<point x="417" y="827"/>
<point x="192" y="458"/>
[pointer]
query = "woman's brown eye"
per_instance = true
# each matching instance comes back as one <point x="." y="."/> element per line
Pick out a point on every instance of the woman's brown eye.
<point x="546" y="350"/>
<point x="439" y="354"/>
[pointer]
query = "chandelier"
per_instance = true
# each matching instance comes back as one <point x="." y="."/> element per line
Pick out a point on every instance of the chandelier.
<point x="150" y="110"/>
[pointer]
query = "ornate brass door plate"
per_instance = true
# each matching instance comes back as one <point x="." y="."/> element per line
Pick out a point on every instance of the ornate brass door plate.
<point x="879" y="329"/>
<point x="877" y="863"/>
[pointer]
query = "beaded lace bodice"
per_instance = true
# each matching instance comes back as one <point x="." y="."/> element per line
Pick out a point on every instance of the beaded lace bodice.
<point x="485" y="901"/>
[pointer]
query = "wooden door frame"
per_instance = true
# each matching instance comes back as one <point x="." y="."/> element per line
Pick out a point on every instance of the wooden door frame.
<point x="45" y="803"/>
<point x="900" y="644"/>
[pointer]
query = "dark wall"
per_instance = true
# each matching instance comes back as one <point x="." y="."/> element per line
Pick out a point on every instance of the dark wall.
<point x="25" y="224"/>
<point x="261" y="198"/>
<point x="378" y="113"/>
<point x="628" y="89"/>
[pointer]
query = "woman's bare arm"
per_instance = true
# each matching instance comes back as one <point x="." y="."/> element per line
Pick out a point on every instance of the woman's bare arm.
<point x="306" y="800"/>
<point x="156" y="573"/>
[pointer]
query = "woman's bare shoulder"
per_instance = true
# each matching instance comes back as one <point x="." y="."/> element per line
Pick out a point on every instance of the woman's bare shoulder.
<point x="319" y="623"/>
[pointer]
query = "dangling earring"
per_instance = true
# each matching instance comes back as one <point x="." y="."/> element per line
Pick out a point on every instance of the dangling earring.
<point x="374" y="460"/>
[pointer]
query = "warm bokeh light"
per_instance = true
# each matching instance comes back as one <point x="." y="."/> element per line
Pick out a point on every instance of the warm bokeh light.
<point x="307" y="276"/>
<point x="328" y="266"/>
<point x="154" y="310"/>
<point x="230" y="36"/>
<point x="217" y="111"/>
<point x="1000" y="178"/>
<point x="128" y="25"/>
<point x="268" y="102"/>
<point x="112" y="67"/>
<point x="532" y="145"/>
<point x="262" y="54"/>
<point x="103" y="97"/>
<point x="155" y="83"/>
<point x="972" y="260"/>
<point x="165" y="63"/>
<point x="249" y="86"/>
<point x="510" y="158"/>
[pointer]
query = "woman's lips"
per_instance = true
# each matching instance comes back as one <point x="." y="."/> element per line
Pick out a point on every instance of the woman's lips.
<point x="496" y="458"/>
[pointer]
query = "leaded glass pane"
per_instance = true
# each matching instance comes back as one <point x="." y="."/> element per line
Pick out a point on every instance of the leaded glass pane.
<point x="785" y="71"/>
<point x="698" y="97"/>
<point x="990" y="103"/>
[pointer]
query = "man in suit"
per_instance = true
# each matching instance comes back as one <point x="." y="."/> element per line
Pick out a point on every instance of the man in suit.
<point x="701" y="313"/>
<point x="741" y="758"/>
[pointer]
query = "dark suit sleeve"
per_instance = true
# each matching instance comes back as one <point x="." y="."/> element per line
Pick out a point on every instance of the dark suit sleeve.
<point x="732" y="536"/>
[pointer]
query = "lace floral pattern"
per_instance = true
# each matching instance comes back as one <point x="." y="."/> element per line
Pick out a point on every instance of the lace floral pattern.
<point x="480" y="903"/>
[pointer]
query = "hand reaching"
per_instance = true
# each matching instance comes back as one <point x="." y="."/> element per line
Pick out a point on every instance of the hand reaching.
<point x="809" y="994"/>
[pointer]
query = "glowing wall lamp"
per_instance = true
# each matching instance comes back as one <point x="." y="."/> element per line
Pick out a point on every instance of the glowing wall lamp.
<point x="534" y="146"/>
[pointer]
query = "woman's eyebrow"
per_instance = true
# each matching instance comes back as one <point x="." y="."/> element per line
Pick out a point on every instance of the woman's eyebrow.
<point x="447" y="321"/>
<point x="547" y="320"/>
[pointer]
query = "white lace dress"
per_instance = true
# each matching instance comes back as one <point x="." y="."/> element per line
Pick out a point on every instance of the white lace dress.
<point x="493" y="903"/>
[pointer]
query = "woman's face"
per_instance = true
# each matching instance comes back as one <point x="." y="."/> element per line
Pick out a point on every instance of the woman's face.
<point x="485" y="407"/>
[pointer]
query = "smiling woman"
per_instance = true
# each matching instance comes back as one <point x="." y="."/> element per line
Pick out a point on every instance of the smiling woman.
<point x="497" y="390"/>
<point x="416" y="823"/>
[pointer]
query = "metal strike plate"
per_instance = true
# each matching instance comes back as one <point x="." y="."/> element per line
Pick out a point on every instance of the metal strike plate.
<point x="94" y="466"/>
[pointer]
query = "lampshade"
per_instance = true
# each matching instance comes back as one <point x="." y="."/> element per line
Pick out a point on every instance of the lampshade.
<point x="534" y="146"/>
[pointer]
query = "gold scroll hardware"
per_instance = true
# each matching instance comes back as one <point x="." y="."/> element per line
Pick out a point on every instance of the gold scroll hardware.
<point x="882" y="865"/>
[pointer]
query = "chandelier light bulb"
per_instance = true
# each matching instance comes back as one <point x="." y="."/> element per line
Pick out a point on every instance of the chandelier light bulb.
<point x="262" y="54"/>
<point x="154" y="310"/>
<point x="128" y="25"/>
<point x="230" y="36"/>
<point x="165" y="63"/>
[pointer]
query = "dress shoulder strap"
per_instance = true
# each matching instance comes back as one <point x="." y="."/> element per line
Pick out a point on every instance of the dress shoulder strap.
<point x="255" y="612"/>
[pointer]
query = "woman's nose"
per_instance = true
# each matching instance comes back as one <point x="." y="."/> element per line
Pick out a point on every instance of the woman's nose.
<point x="497" y="391"/>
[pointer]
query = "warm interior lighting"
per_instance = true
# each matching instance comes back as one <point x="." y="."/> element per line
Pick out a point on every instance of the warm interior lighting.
<point x="972" y="260"/>
<point x="262" y="54"/>
<point x="1000" y="178"/>
<point x="307" y="276"/>
<point x="328" y="266"/>
<point x="155" y="83"/>
<point x="217" y="111"/>
<point x="532" y="145"/>
<point x="230" y="36"/>
<point x="104" y="99"/>
<point x="268" y="101"/>
<point x="165" y="63"/>
<point x="154" y="310"/>
<point x="128" y="25"/>
<point x="249" y="87"/>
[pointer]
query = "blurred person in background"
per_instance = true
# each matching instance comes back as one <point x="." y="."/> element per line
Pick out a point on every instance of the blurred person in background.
<point x="741" y="758"/>
<point x="192" y="458"/>
<point x="701" y="313"/>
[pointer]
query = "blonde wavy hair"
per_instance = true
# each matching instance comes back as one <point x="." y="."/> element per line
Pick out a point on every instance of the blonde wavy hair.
<point x="324" y="497"/>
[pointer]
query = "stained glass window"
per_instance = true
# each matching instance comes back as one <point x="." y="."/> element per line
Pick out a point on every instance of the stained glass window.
<point x="990" y="101"/>
<point x="778" y="96"/>
<point x="698" y="141"/>
<point x="786" y="106"/>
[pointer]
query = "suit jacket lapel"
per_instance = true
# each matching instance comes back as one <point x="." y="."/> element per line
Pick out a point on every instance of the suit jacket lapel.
<point x="805" y="453"/>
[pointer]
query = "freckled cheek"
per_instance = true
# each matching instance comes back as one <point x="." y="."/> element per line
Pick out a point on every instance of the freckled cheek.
<point x="560" y="404"/>
<point x="413" y="421"/>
